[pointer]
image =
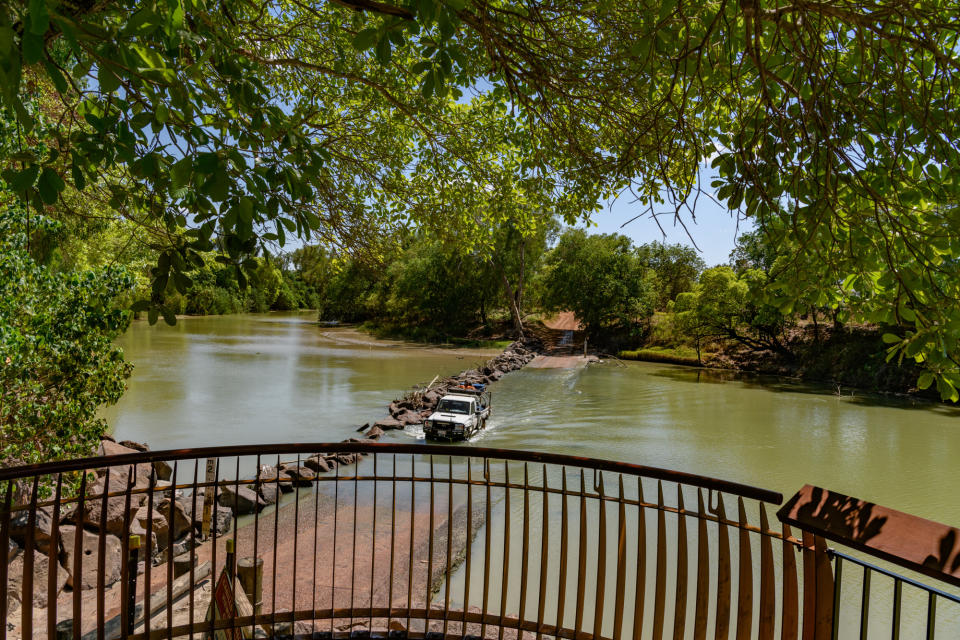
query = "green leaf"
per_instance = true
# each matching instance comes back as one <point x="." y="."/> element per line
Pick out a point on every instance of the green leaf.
<point x="107" y="79"/>
<point x="22" y="180"/>
<point x="365" y="39"/>
<point x="925" y="380"/>
<point x="39" y="17"/>
<point x="152" y="315"/>
<point x="32" y="47"/>
<point x="50" y="185"/>
<point x="56" y="77"/>
<point x="890" y="338"/>
<point x="180" y="173"/>
<point x="168" y="316"/>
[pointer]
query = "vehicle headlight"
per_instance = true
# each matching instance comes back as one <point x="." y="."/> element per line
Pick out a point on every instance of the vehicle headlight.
<point x="428" y="424"/>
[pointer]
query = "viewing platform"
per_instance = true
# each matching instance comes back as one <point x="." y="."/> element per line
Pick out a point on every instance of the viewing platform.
<point x="358" y="540"/>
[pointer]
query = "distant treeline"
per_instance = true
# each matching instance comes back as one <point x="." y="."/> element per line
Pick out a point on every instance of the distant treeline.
<point x="430" y="289"/>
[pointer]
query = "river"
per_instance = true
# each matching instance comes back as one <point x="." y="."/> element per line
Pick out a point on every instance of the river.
<point x="276" y="378"/>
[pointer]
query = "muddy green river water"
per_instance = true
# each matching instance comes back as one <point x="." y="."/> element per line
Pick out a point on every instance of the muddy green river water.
<point x="278" y="378"/>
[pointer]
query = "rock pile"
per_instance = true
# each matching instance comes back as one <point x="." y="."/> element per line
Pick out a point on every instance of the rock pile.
<point x="77" y="528"/>
<point x="417" y="405"/>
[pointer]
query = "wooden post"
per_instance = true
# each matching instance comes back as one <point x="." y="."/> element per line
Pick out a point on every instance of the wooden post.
<point x="250" y="574"/>
<point x="208" y="498"/>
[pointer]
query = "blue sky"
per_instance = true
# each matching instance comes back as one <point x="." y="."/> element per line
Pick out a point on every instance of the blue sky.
<point x="714" y="231"/>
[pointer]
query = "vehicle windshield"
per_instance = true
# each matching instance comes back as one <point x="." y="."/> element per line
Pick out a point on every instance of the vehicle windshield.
<point x="454" y="406"/>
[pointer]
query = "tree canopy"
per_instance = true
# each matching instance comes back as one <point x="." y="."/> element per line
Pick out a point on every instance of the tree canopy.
<point x="233" y="124"/>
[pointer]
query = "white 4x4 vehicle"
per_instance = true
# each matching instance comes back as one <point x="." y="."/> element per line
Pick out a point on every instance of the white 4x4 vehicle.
<point x="459" y="415"/>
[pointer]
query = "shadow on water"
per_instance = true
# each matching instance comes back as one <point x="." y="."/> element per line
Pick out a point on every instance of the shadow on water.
<point x="783" y="384"/>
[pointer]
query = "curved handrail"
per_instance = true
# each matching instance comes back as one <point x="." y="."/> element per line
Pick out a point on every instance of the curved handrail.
<point x="657" y="473"/>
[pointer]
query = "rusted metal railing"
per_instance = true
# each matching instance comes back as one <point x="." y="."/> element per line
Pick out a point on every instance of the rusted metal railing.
<point x="354" y="538"/>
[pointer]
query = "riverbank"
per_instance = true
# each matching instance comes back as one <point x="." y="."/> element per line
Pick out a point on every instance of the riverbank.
<point x="848" y="357"/>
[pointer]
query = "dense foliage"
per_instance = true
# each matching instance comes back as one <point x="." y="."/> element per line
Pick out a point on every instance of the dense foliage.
<point x="58" y="361"/>
<point x="227" y="126"/>
<point x="601" y="279"/>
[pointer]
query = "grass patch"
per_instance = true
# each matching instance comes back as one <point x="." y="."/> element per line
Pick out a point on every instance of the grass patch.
<point x="672" y="355"/>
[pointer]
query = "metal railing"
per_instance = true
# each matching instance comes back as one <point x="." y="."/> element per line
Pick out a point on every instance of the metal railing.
<point x="350" y="539"/>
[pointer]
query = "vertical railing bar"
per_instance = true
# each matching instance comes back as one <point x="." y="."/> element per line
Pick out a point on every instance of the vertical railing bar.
<point x="722" y="625"/>
<point x="193" y="542"/>
<point x="446" y="595"/>
<point x="468" y="546"/>
<point x="101" y="556"/>
<point x="897" y="593"/>
<point x="865" y="603"/>
<point x="638" y="603"/>
<point x="26" y="599"/>
<point x="505" y="586"/>
<point x="413" y="510"/>
<point x="432" y="524"/>
<point x="582" y="557"/>
<point x="601" y="561"/>
<point x="256" y="534"/>
<point x="77" y="560"/>
<point x="680" y="600"/>
<point x="745" y="578"/>
<point x="544" y="551"/>
<point x="228" y="558"/>
<point x="486" y="552"/>
<point x="170" y="523"/>
<point x="353" y="544"/>
<point x="53" y="565"/>
<point x="703" y="572"/>
<point x="213" y="529"/>
<point x="276" y="533"/>
<point x="5" y="554"/>
<point x="125" y="567"/>
<point x="660" y="580"/>
<point x="525" y="544"/>
<point x="393" y="536"/>
<point x="790" y="607"/>
<point x="333" y="553"/>
<point x="768" y="596"/>
<point x="148" y="555"/>
<point x="316" y="535"/>
<point x="564" y="544"/>
<point x="835" y="618"/>
<point x="296" y="531"/>
<point x="931" y="615"/>
<point x="373" y="539"/>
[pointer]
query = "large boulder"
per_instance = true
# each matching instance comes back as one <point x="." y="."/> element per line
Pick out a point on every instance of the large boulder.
<point x="136" y="446"/>
<point x="154" y="521"/>
<point x="318" y="463"/>
<point x="281" y="479"/>
<point x="114" y="479"/>
<point x="388" y="423"/>
<point x="41" y="573"/>
<point x="242" y="500"/>
<point x="163" y="469"/>
<point x="409" y="417"/>
<point x="374" y="433"/>
<point x="177" y="516"/>
<point x="41" y="532"/>
<point x="89" y="547"/>
<point x="302" y="475"/>
<point x="269" y="492"/>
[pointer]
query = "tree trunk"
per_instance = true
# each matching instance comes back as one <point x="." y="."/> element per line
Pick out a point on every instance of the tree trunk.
<point x="512" y="303"/>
